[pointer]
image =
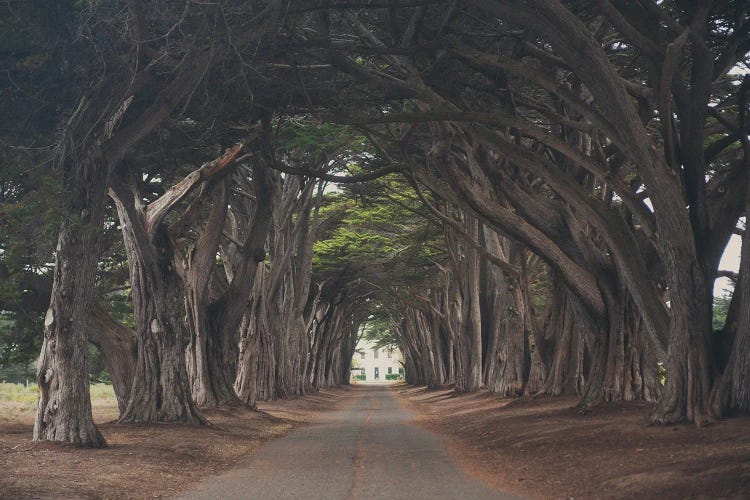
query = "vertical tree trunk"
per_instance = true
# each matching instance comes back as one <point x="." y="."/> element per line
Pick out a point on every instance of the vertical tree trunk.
<point x="563" y="332"/>
<point x="687" y="392"/>
<point x="160" y="390"/>
<point x="64" y="408"/>
<point x="469" y="376"/>
<point x="508" y="356"/>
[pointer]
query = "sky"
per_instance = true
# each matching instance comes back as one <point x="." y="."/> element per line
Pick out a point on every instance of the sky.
<point x="730" y="261"/>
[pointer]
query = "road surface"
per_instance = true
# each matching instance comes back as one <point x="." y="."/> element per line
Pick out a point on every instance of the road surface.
<point x="365" y="450"/>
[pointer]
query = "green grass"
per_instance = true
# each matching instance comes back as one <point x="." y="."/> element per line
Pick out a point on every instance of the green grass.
<point x="19" y="393"/>
<point x="18" y="403"/>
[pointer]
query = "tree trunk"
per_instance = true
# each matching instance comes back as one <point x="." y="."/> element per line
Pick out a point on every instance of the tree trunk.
<point x="160" y="391"/>
<point x="563" y="332"/>
<point x="247" y="365"/>
<point x="687" y="392"/>
<point x="119" y="346"/>
<point x="508" y="354"/>
<point x="732" y="390"/>
<point x="64" y="408"/>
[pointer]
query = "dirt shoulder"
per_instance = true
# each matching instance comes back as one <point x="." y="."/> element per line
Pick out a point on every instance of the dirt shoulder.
<point x="142" y="461"/>
<point x="544" y="448"/>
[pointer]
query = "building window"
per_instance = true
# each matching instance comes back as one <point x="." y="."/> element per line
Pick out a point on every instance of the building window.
<point x="362" y="355"/>
<point x="390" y="353"/>
<point x="375" y="353"/>
<point x="377" y="373"/>
<point x="400" y="371"/>
<point x="390" y="370"/>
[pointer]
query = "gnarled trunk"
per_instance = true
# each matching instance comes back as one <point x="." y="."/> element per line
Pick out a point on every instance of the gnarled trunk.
<point x="64" y="407"/>
<point x="160" y="390"/>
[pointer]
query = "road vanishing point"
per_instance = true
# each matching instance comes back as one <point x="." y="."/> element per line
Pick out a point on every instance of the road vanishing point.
<point x="366" y="449"/>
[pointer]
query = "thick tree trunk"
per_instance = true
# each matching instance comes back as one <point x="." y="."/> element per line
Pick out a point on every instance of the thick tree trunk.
<point x="469" y="377"/>
<point x="210" y="360"/>
<point x="512" y="354"/>
<point x="622" y="366"/>
<point x="64" y="408"/>
<point x="160" y="391"/>
<point x="246" y="384"/>
<point x="508" y="355"/>
<point x="563" y="333"/>
<point x="687" y="392"/>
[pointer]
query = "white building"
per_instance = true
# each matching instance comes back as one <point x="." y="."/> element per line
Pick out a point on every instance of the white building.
<point x="376" y="365"/>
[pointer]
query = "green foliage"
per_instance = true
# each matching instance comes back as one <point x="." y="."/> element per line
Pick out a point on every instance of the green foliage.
<point x="721" y="309"/>
<point x="392" y="376"/>
<point x="378" y="234"/>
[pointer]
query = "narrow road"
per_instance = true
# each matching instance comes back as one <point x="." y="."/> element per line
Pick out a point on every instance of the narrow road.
<point x="365" y="450"/>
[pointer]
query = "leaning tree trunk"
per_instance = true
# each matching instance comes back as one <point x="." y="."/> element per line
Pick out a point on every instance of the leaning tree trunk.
<point x="732" y="390"/>
<point x="119" y="346"/>
<point x="210" y="356"/>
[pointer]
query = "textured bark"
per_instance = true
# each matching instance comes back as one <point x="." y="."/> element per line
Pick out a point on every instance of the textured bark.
<point x="508" y="357"/>
<point x="469" y="333"/>
<point x="621" y="367"/>
<point x="118" y="345"/>
<point x="687" y="392"/>
<point x="563" y="332"/>
<point x="64" y="407"/>
<point x="689" y="361"/>
<point x="281" y="295"/>
<point x="246" y="384"/>
<point x="160" y="391"/>
<point x="210" y="356"/>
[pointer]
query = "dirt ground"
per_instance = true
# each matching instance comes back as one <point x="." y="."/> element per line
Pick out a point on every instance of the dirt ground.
<point x="141" y="461"/>
<point x="544" y="448"/>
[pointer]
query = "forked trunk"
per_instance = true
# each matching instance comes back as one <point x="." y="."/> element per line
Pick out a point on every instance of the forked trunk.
<point x="160" y="391"/>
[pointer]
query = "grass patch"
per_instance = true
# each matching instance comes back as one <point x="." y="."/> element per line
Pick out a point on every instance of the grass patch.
<point x="19" y="393"/>
<point x="18" y="402"/>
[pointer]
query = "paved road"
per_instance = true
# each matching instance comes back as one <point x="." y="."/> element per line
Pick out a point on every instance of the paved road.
<point x="365" y="450"/>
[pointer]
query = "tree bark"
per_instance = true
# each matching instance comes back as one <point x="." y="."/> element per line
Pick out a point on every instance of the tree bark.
<point x="119" y="346"/>
<point x="160" y="390"/>
<point x="64" y="407"/>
